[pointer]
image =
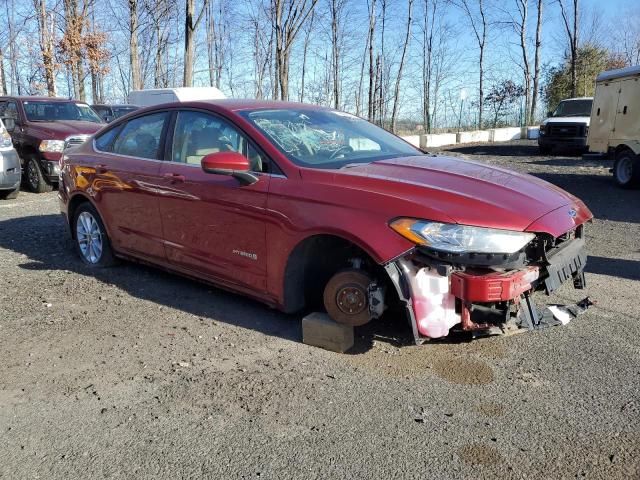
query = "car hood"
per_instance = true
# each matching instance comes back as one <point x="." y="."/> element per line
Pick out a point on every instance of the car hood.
<point x="449" y="189"/>
<point x="61" y="129"/>
<point x="580" y="120"/>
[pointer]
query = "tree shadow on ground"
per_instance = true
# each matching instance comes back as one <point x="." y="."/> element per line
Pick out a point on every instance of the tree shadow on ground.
<point x="45" y="244"/>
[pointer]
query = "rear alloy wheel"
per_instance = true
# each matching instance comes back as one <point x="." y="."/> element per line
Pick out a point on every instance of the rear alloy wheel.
<point x="346" y="297"/>
<point x="626" y="169"/>
<point x="35" y="179"/>
<point x="92" y="242"/>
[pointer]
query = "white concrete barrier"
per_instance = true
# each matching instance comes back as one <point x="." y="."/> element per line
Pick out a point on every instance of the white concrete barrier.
<point x="532" y="133"/>
<point x="475" y="136"/>
<point x="505" y="134"/>
<point x="412" y="139"/>
<point x="437" y="140"/>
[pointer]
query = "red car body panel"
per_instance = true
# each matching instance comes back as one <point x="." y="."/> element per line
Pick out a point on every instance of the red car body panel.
<point x="241" y="236"/>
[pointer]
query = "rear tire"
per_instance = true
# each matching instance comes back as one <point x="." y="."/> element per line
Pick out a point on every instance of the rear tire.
<point x="91" y="240"/>
<point x="626" y="169"/>
<point x="346" y="298"/>
<point x="35" y="178"/>
<point x="9" y="194"/>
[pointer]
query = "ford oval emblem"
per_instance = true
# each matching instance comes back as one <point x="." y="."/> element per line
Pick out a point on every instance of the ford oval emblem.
<point x="573" y="213"/>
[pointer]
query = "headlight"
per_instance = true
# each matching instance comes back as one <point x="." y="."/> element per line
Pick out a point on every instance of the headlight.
<point x="5" y="139"/>
<point x="454" y="238"/>
<point x="542" y="129"/>
<point x="52" y="146"/>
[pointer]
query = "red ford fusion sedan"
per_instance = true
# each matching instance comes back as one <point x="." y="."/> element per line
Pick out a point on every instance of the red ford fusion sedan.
<point x="303" y="207"/>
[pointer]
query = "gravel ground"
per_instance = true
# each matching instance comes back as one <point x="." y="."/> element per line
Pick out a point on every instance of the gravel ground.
<point x="133" y="373"/>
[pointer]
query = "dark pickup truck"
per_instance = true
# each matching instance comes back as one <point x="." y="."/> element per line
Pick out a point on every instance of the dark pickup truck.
<point x="41" y="128"/>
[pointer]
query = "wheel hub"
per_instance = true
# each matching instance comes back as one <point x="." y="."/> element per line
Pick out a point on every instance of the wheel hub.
<point x="351" y="300"/>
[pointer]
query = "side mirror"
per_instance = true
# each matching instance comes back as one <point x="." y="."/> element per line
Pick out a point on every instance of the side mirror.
<point x="549" y="114"/>
<point x="229" y="163"/>
<point x="9" y="124"/>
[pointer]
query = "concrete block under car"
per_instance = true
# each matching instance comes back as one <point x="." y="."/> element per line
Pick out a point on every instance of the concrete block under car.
<point x="320" y="331"/>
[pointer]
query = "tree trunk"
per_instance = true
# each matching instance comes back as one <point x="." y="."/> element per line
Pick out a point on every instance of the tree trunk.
<point x="536" y="65"/>
<point x="524" y="10"/>
<point x="396" y="93"/>
<point x="187" y="79"/>
<point x="3" y="79"/>
<point x="46" y="46"/>
<point x="372" y="31"/>
<point x="134" y="60"/>
<point x="335" y="51"/>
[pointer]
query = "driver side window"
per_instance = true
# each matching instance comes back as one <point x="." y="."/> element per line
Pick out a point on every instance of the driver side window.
<point x="197" y="134"/>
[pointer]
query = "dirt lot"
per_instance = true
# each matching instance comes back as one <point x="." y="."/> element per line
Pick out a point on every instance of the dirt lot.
<point x="133" y="373"/>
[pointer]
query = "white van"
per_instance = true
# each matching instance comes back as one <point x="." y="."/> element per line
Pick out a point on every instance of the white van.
<point x="566" y="126"/>
<point x="155" y="96"/>
<point x="615" y="123"/>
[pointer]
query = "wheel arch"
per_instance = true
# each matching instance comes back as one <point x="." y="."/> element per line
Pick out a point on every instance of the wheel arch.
<point x="313" y="260"/>
<point x="75" y="201"/>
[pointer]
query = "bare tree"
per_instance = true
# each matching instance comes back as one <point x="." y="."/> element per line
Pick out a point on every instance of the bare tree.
<point x="3" y="77"/>
<point x="134" y="59"/>
<point x="570" y="19"/>
<point x="305" y="48"/>
<point x="479" y="22"/>
<point x="371" y="41"/>
<point x="396" y="93"/>
<point x="288" y="17"/>
<point x="190" y="26"/>
<point x="536" y="64"/>
<point x="217" y="40"/>
<point x="336" y="14"/>
<point x="46" y="33"/>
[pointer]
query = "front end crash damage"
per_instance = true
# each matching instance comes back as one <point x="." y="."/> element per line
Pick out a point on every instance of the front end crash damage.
<point x="488" y="293"/>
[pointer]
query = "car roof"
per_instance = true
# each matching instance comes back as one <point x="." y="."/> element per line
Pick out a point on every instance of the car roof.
<point x="114" y="105"/>
<point x="241" y="104"/>
<point x="576" y="98"/>
<point x="40" y="98"/>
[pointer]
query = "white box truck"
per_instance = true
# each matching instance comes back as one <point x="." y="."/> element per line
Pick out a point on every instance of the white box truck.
<point x="615" y="123"/>
<point x="155" y="96"/>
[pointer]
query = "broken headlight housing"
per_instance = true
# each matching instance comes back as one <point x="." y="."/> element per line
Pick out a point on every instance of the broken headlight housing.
<point x="454" y="238"/>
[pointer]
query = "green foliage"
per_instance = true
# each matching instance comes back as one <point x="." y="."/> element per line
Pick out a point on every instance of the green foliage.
<point x="590" y="61"/>
<point x="502" y="95"/>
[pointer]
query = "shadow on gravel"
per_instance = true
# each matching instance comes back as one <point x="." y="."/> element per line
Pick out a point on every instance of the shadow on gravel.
<point x="574" y="162"/>
<point x="45" y="243"/>
<point x="496" y="150"/>
<point x="614" y="267"/>
<point x="600" y="193"/>
<point x="529" y="149"/>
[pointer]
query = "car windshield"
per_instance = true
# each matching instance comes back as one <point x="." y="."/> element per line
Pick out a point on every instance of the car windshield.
<point x="54" y="111"/>
<point x="573" y="108"/>
<point x="121" y="111"/>
<point x="327" y="138"/>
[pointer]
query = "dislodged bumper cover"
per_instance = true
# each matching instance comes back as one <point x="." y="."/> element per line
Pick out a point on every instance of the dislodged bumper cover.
<point x="482" y="286"/>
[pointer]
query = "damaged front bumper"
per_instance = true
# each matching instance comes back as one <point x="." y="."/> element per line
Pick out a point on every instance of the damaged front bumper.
<point x="439" y="296"/>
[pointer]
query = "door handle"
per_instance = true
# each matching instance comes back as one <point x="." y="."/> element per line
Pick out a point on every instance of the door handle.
<point x="174" y="177"/>
<point x="101" y="168"/>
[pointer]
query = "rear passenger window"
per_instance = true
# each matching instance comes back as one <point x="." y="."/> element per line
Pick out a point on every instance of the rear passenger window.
<point x="104" y="142"/>
<point x="141" y="136"/>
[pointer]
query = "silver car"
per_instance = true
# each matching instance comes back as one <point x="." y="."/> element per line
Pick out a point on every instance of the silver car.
<point x="10" y="171"/>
